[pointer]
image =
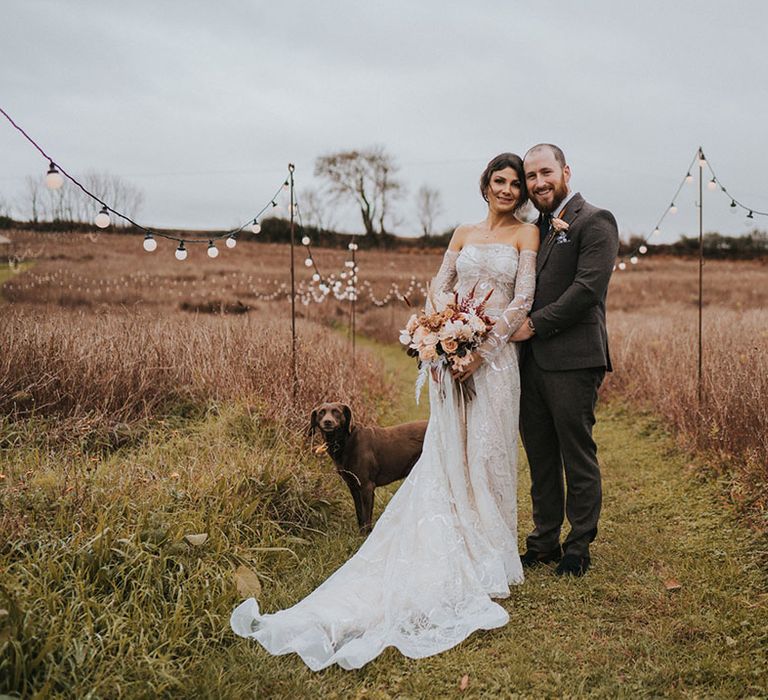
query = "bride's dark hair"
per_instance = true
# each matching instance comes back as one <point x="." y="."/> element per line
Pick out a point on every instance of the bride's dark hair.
<point x="505" y="160"/>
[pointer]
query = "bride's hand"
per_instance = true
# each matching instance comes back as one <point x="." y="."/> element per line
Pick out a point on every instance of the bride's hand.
<point x="467" y="371"/>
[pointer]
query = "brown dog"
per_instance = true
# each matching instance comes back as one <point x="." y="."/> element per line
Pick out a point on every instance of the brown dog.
<point x="367" y="457"/>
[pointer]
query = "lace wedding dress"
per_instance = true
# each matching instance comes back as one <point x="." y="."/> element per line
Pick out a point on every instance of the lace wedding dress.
<point x="447" y="541"/>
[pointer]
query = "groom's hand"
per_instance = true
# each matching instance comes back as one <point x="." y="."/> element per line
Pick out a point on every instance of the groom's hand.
<point x="522" y="333"/>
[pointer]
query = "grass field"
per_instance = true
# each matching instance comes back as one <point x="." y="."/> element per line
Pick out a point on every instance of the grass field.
<point x="109" y="459"/>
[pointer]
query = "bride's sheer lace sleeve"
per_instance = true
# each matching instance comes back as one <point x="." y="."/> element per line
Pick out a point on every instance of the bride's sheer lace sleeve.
<point x="445" y="279"/>
<point x="516" y="312"/>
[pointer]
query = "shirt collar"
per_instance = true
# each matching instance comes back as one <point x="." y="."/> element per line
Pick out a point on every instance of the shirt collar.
<point x="559" y="208"/>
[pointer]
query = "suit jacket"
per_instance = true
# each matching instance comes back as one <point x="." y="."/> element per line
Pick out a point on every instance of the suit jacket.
<point x="572" y="274"/>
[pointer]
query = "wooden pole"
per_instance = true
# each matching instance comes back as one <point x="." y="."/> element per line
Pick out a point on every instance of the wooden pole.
<point x="701" y="270"/>
<point x="294" y="371"/>
<point x="354" y="305"/>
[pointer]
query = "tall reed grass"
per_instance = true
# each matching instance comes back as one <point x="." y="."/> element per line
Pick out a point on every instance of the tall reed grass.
<point x="99" y="373"/>
<point x="656" y="359"/>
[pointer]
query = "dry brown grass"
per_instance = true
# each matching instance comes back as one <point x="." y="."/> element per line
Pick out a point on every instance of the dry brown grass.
<point x="98" y="373"/>
<point x="657" y="368"/>
<point x="80" y="270"/>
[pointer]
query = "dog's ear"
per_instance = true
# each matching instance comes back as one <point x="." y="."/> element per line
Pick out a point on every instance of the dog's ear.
<point x="347" y="411"/>
<point x="312" y="422"/>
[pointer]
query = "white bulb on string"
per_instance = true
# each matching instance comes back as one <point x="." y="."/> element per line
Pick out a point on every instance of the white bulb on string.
<point x="305" y="240"/>
<point x="231" y="241"/>
<point x="622" y="266"/>
<point x="689" y="178"/>
<point x="656" y="231"/>
<point x="102" y="218"/>
<point x="53" y="178"/>
<point x="308" y="262"/>
<point x="702" y="159"/>
<point x="256" y="226"/>
<point x="150" y="243"/>
<point x="315" y="277"/>
<point x="733" y="207"/>
<point x="181" y="252"/>
<point x="213" y="251"/>
<point x="634" y="259"/>
<point x="672" y="208"/>
<point x="643" y="249"/>
<point x="712" y="184"/>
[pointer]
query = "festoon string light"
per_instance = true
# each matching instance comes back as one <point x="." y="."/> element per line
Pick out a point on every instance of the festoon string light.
<point x="701" y="161"/>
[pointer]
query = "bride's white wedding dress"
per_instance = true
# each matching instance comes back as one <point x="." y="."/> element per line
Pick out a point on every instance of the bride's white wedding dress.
<point x="447" y="541"/>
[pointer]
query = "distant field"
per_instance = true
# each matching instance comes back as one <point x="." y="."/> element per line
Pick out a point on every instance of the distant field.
<point x="652" y="320"/>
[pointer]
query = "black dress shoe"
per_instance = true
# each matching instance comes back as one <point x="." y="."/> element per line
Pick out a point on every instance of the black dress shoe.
<point x="531" y="558"/>
<point x="572" y="565"/>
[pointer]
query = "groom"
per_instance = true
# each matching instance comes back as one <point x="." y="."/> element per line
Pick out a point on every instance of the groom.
<point x="564" y="362"/>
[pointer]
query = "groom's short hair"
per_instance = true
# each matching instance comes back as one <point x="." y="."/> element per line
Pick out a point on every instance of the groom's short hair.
<point x="556" y="151"/>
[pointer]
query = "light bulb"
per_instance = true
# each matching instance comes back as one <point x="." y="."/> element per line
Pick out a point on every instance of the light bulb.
<point x="181" y="252"/>
<point x="702" y="159"/>
<point x="274" y="203"/>
<point x="213" y="251"/>
<point x="622" y="266"/>
<point x="750" y="216"/>
<point x="656" y="231"/>
<point x="286" y="185"/>
<point x="53" y="178"/>
<point x="256" y="226"/>
<point x="150" y="243"/>
<point x="672" y="208"/>
<point x="643" y="249"/>
<point x="712" y="184"/>
<point x="308" y="262"/>
<point x="733" y="207"/>
<point x="634" y="259"/>
<point x="231" y="241"/>
<point x="305" y="240"/>
<point x="689" y="177"/>
<point x="315" y="277"/>
<point x="102" y="218"/>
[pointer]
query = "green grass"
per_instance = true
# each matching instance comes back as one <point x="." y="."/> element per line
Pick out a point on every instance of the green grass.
<point x="7" y="272"/>
<point x="105" y="600"/>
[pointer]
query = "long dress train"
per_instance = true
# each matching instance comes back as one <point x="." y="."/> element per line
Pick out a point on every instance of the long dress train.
<point x="447" y="541"/>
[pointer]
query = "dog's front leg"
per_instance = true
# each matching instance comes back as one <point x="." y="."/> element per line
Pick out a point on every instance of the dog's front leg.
<point x="354" y="489"/>
<point x="366" y="497"/>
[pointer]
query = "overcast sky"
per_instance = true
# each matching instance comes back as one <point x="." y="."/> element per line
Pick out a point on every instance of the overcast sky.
<point x="202" y="104"/>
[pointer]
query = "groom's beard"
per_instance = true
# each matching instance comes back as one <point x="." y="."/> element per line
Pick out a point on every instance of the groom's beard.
<point x="550" y="200"/>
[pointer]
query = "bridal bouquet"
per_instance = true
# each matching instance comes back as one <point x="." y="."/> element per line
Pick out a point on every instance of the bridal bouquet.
<point x="447" y="337"/>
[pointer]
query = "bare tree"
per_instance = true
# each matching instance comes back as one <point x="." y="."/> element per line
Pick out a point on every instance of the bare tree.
<point x="69" y="204"/>
<point x="366" y="177"/>
<point x="316" y="210"/>
<point x="6" y="211"/>
<point x="112" y="189"/>
<point x="428" y="207"/>
<point x="30" y="200"/>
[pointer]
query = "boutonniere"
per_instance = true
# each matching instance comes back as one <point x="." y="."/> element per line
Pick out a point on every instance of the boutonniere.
<point x="560" y="229"/>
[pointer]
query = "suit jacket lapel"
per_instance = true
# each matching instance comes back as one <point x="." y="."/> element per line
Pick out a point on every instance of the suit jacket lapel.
<point x="572" y="210"/>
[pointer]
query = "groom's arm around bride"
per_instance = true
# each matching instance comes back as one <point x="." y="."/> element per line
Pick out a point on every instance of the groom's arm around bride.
<point x="565" y="361"/>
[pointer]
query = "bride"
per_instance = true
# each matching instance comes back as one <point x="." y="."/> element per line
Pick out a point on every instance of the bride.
<point x="447" y="542"/>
